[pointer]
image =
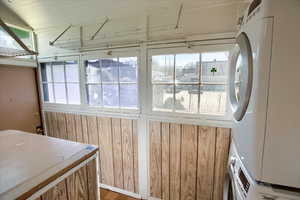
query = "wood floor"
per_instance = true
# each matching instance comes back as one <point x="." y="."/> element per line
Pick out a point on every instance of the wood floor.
<point x="109" y="195"/>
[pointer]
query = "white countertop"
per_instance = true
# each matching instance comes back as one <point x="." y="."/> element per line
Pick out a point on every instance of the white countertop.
<point x="27" y="160"/>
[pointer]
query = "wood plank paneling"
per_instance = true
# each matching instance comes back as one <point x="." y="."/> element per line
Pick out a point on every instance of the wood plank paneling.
<point x="175" y="161"/>
<point x="155" y="159"/>
<point x="80" y="185"/>
<point x="92" y="130"/>
<point x="62" y="126"/>
<point x="188" y="162"/>
<point x="127" y="147"/>
<point x="77" y="185"/>
<point x="206" y="162"/>
<point x="135" y="155"/>
<point x="93" y="193"/>
<point x="84" y="125"/>
<point x="78" y="129"/>
<point x="117" y="140"/>
<point x="55" y="129"/>
<point x="117" y="153"/>
<point x="58" y="192"/>
<point x="165" y="140"/>
<point x="222" y="150"/>
<point x="49" y="125"/>
<point x="71" y="129"/>
<point x="106" y="151"/>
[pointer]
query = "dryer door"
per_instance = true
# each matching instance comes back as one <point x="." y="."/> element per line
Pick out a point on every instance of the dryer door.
<point x="241" y="75"/>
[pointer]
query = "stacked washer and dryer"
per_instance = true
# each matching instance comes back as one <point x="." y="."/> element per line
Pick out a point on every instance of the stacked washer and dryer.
<point x="264" y="160"/>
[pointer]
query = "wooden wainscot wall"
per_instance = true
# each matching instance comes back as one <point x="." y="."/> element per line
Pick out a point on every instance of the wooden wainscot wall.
<point x="117" y="141"/>
<point x="187" y="162"/>
<point x="81" y="185"/>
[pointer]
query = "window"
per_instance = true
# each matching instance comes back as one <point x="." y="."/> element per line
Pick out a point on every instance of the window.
<point x="112" y="82"/>
<point x="190" y="83"/>
<point x="10" y="47"/>
<point x="61" y="82"/>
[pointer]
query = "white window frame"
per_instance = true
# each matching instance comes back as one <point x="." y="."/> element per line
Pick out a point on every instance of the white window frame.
<point x="59" y="59"/>
<point x="112" y="54"/>
<point x="144" y="80"/>
<point x="182" y="50"/>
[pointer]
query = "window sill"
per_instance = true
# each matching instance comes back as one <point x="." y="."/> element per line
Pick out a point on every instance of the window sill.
<point x="91" y="110"/>
<point x="197" y="119"/>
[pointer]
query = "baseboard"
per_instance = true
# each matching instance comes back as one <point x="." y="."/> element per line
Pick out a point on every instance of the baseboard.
<point x="114" y="189"/>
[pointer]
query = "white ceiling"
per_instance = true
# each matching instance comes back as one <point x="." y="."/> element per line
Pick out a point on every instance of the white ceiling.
<point x="130" y="20"/>
<point x="41" y="14"/>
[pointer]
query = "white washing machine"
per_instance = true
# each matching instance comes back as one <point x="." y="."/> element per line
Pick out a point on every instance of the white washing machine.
<point x="240" y="186"/>
<point x="265" y="92"/>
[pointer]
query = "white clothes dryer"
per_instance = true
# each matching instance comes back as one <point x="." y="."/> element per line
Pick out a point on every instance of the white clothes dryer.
<point x="264" y="91"/>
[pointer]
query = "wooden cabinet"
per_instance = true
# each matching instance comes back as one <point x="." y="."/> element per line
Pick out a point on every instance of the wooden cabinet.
<point x="44" y="168"/>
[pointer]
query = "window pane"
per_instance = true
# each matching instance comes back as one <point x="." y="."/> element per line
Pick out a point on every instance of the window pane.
<point x="163" y="68"/>
<point x="73" y="93"/>
<point x="187" y="68"/>
<point x="128" y="69"/>
<point x="163" y="97"/>
<point x="214" y="67"/>
<point x="48" y="92"/>
<point x="213" y="99"/>
<point x="187" y="98"/>
<point x="58" y="72"/>
<point x="110" y="95"/>
<point x="72" y="71"/>
<point x="215" y="56"/>
<point x="94" y="95"/>
<point x="46" y="72"/>
<point x="109" y="69"/>
<point x="128" y="95"/>
<point x="60" y="93"/>
<point x="93" y="71"/>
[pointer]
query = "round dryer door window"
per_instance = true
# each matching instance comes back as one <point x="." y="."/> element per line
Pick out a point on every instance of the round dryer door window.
<point x="241" y="75"/>
<point x="238" y="77"/>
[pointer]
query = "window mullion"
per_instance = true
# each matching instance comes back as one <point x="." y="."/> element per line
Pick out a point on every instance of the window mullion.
<point x="101" y="82"/>
<point x="174" y="84"/>
<point x="66" y="89"/>
<point x="119" y="85"/>
<point x="52" y="74"/>
<point x="200" y="82"/>
<point x="82" y="81"/>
